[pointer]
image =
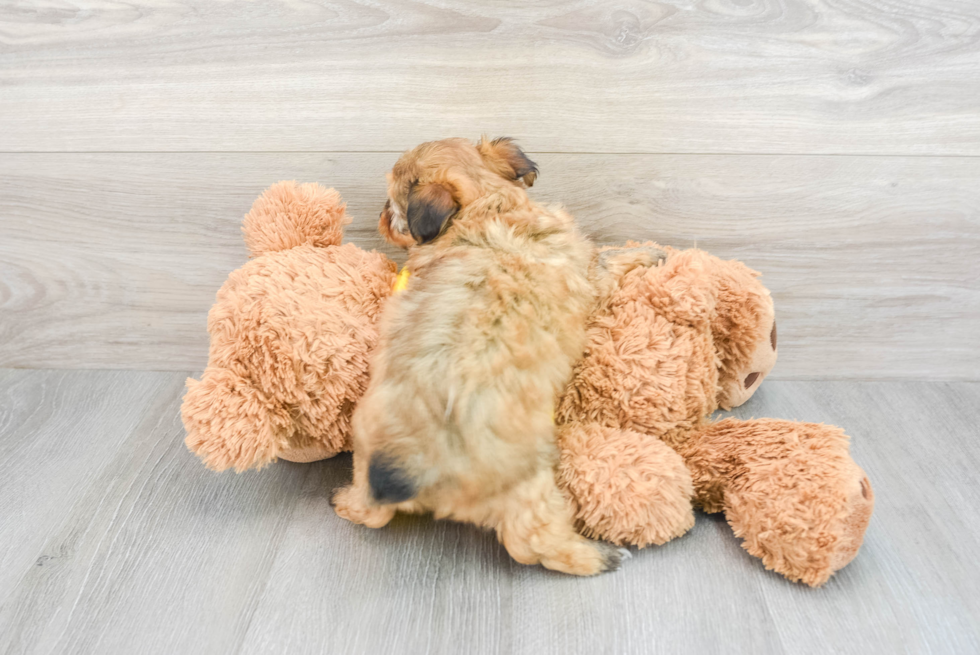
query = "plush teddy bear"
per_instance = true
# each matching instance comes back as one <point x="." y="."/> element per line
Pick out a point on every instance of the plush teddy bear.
<point x="291" y="334"/>
<point x="674" y="336"/>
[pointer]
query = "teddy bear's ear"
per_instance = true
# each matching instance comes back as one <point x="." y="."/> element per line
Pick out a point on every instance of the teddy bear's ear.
<point x="503" y="156"/>
<point x="290" y="214"/>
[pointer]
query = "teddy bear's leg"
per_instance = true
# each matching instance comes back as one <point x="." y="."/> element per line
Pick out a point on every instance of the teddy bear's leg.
<point x="534" y="523"/>
<point x="627" y="487"/>
<point x="354" y="502"/>
<point x="790" y="490"/>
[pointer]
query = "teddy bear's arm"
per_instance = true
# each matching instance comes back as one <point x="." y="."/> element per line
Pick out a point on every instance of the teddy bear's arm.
<point x="627" y="488"/>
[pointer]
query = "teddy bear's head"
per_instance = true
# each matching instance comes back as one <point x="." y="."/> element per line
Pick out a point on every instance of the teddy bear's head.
<point x="676" y="334"/>
<point x="291" y="334"/>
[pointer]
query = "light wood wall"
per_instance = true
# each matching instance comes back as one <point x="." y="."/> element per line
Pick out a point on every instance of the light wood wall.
<point x="833" y="146"/>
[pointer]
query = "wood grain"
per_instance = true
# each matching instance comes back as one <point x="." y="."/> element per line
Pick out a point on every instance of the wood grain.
<point x="720" y="76"/>
<point x="112" y="260"/>
<point x="146" y="551"/>
<point x="59" y="431"/>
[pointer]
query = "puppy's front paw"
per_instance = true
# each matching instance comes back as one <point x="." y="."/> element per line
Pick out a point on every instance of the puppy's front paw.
<point x="349" y="503"/>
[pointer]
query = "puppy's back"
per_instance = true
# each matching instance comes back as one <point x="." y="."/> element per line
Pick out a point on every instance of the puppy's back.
<point x="475" y="353"/>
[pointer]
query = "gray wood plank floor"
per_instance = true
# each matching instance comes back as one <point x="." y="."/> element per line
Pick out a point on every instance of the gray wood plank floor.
<point x="115" y="539"/>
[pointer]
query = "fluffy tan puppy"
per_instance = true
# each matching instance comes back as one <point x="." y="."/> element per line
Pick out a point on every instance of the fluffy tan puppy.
<point x="458" y="415"/>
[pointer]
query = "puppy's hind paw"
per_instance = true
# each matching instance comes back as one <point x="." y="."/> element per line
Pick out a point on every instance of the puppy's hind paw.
<point x="585" y="557"/>
<point x="349" y="504"/>
<point x="612" y="556"/>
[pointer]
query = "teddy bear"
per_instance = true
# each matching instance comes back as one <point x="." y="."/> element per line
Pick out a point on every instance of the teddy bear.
<point x="291" y="335"/>
<point x="674" y="335"/>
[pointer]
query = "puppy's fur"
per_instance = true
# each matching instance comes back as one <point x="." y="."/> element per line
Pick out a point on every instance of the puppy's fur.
<point x="458" y="415"/>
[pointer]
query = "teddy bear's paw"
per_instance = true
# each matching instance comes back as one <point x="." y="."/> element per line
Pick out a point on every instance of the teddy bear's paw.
<point x="627" y="487"/>
<point x="858" y="509"/>
<point x="230" y="423"/>
<point x="801" y="548"/>
<point x="804" y="508"/>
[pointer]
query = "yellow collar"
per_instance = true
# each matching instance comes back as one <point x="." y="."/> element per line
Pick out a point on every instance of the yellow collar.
<point x="401" y="281"/>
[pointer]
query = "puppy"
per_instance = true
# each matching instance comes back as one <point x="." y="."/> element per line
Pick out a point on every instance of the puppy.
<point x="458" y="415"/>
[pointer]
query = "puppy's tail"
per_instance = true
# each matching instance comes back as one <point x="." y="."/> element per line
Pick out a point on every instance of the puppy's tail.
<point x="390" y="483"/>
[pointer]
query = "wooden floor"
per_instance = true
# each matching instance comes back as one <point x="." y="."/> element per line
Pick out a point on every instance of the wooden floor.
<point x="115" y="539"/>
<point x="833" y="145"/>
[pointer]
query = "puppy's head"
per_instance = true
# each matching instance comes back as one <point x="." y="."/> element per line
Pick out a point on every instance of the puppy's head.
<point x="431" y="183"/>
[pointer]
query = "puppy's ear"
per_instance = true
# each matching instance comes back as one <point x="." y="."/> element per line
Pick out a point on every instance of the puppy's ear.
<point x="430" y="206"/>
<point x="504" y="157"/>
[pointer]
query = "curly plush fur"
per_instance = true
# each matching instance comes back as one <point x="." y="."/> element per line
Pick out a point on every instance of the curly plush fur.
<point x="672" y="336"/>
<point x="291" y="334"/>
<point x="790" y="491"/>
<point x="675" y="335"/>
